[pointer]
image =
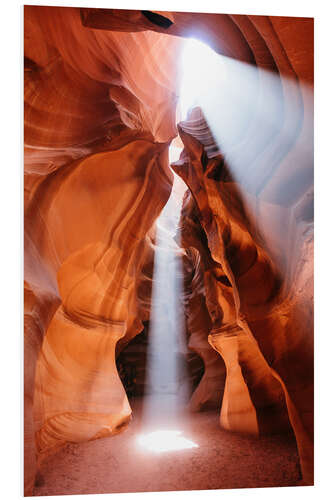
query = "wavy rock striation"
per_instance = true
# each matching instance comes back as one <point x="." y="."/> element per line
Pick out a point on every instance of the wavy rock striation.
<point x="100" y="95"/>
<point x="261" y="311"/>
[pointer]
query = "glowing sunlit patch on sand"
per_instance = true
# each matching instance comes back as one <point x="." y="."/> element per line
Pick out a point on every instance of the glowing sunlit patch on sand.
<point x="159" y="441"/>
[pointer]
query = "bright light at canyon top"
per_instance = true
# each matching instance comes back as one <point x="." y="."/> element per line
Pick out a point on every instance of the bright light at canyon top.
<point x="196" y="83"/>
<point x="228" y="91"/>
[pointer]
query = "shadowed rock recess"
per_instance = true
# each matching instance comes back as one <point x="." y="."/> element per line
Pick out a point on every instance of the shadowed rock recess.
<point x="100" y="95"/>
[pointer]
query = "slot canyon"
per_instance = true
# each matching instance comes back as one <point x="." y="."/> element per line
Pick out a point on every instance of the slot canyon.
<point x="168" y="250"/>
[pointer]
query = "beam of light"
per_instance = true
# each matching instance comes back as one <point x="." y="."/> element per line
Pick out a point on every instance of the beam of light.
<point x="167" y="386"/>
<point x="244" y="105"/>
<point x="199" y="65"/>
<point x="165" y="440"/>
<point x="260" y="122"/>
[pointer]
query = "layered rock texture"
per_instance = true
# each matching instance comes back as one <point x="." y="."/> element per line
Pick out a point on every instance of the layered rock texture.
<point x="100" y="96"/>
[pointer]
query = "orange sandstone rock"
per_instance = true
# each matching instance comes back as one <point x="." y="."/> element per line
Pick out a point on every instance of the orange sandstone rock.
<point x="100" y="94"/>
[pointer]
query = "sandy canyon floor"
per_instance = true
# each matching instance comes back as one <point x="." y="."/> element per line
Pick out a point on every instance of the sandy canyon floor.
<point x="221" y="460"/>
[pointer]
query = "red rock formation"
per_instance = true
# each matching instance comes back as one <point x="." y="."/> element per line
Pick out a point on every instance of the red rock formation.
<point x="238" y="351"/>
<point x="258" y="326"/>
<point x="96" y="178"/>
<point x="259" y="225"/>
<point x="100" y="95"/>
<point x="208" y="393"/>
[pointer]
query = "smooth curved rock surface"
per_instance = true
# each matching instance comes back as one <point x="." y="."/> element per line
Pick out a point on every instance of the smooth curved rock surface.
<point x="88" y="127"/>
<point x="259" y="324"/>
<point x="100" y="95"/>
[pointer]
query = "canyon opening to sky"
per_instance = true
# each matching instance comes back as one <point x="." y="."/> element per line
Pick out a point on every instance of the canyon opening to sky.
<point x="168" y="224"/>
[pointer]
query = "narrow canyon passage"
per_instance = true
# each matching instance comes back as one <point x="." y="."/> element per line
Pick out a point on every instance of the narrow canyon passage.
<point x="168" y="225"/>
<point x="167" y="447"/>
<point x="166" y="382"/>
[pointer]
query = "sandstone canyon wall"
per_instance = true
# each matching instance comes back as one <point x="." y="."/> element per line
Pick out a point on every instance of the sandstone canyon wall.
<point x="100" y="96"/>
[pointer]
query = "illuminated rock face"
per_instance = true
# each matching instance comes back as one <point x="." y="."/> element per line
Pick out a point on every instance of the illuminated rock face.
<point x="100" y="97"/>
<point x="208" y="393"/>
<point x="96" y="178"/>
<point x="261" y="307"/>
<point x="251" y="406"/>
<point x="78" y="393"/>
<point x="251" y="211"/>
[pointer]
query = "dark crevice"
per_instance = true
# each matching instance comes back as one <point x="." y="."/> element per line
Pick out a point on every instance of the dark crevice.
<point x="153" y="17"/>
